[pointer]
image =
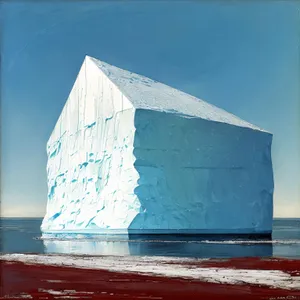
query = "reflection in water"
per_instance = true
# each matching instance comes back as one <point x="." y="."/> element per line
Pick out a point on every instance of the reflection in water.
<point x="86" y="247"/>
<point x="158" y="246"/>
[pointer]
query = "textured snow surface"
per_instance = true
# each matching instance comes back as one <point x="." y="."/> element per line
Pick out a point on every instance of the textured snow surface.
<point x="145" y="93"/>
<point x="169" y="267"/>
<point x="131" y="154"/>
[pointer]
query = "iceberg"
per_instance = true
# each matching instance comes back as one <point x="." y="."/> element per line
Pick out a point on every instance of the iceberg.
<point x="130" y="155"/>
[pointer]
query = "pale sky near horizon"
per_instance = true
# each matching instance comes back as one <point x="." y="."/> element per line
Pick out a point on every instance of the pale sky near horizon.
<point x="242" y="56"/>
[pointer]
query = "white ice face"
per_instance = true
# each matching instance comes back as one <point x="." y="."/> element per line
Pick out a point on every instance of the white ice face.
<point x="128" y="153"/>
<point x="91" y="178"/>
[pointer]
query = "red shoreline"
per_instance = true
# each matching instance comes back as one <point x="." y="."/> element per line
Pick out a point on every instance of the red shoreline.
<point x="18" y="278"/>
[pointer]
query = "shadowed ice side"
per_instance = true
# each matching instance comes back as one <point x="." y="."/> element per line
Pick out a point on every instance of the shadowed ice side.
<point x="221" y="186"/>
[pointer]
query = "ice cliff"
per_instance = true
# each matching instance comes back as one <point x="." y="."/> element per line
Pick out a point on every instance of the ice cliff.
<point x="129" y="154"/>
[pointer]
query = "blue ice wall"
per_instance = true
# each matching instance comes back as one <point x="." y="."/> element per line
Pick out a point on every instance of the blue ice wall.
<point x="201" y="176"/>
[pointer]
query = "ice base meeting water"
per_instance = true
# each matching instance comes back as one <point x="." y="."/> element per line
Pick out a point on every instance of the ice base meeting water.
<point x="24" y="236"/>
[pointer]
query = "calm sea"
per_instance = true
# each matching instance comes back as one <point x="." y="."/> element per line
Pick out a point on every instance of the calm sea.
<point x="24" y="236"/>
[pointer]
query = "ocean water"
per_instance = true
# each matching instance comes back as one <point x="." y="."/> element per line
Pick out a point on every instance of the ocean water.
<point x="24" y="236"/>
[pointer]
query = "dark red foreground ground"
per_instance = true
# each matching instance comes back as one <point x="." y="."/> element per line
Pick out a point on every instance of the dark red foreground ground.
<point x="47" y="282"/>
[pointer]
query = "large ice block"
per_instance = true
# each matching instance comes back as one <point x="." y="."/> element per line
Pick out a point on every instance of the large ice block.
<point x="132" y="155"/>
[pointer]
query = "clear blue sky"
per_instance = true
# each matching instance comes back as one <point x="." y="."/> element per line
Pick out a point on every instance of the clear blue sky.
<point x="242" y="56"/>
